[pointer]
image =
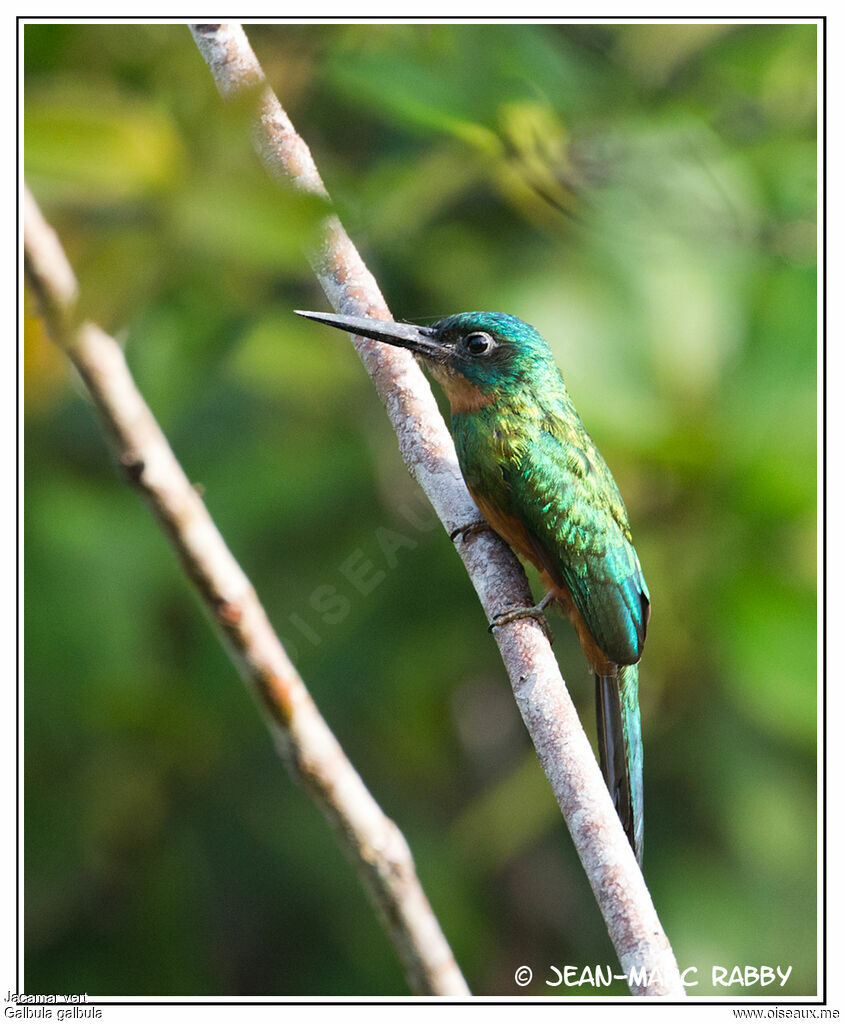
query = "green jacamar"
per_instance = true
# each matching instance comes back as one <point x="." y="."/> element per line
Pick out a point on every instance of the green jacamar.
<point x="541" y="484"/>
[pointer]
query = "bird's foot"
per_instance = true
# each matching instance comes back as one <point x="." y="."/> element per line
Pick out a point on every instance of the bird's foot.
<point x="476" y="526"/>
<point x="532" y="612"/>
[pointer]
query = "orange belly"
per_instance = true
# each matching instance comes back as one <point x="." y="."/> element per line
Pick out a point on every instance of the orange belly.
<point x="511" y="530"/>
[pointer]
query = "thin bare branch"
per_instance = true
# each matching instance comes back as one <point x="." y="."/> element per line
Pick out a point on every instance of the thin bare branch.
<point x="372" y="841"/>
<point x="427" y="449"/>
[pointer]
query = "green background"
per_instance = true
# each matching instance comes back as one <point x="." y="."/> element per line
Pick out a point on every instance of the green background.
<point x="645" y="195"/>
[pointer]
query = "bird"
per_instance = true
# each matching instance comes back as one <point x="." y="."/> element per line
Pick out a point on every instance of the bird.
<point x="542" y="485"/>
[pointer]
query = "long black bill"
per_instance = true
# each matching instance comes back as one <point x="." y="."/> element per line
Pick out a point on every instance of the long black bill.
<point x="422" y="340"/>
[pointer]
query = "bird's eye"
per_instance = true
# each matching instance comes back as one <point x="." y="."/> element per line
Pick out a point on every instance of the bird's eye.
<point x="478" y="342"/>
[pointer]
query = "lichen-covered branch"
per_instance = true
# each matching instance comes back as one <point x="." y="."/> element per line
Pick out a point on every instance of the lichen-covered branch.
<point x="429" y="454"/>
<point x="371" y="840"/>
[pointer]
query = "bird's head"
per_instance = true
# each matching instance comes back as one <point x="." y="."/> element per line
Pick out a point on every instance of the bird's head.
<point x="478" y="358"/>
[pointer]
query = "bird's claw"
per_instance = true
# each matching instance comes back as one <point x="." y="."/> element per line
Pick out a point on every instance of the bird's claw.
<point x="532" y="612"/>
<point x="476" y="526"/>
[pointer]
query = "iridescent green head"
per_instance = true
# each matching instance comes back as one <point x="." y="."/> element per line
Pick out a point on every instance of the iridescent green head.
<point x="477" y="357"/>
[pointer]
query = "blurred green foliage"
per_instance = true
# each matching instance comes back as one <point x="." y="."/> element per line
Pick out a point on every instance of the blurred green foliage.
<point x="643" y="194"/>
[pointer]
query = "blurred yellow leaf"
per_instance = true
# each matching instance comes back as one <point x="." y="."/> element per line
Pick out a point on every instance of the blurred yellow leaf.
<point x="45" y="370"/>
<point x="91" y="143"/>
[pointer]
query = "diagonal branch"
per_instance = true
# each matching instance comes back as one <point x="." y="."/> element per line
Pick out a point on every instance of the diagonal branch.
<point x="372" y="841"/>
<point x="427" y="449"/>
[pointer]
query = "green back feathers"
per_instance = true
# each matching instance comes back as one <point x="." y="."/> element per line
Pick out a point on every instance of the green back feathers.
<point x="541" y="482"/>
<point x="528" y="453"/>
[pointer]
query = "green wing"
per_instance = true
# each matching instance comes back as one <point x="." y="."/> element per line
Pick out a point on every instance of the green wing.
<point x="565" y="496"/>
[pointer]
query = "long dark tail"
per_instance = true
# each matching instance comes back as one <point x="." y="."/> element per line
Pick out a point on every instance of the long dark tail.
<point x="621" y="748"/>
